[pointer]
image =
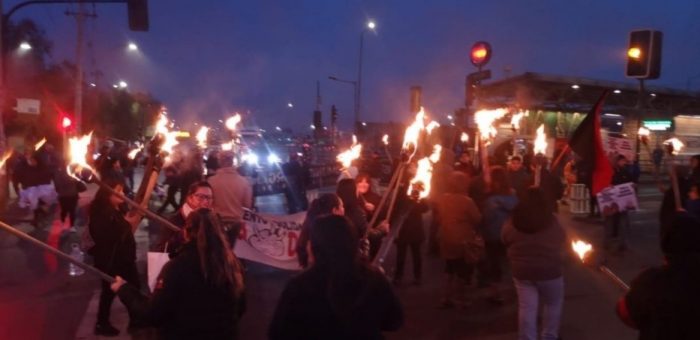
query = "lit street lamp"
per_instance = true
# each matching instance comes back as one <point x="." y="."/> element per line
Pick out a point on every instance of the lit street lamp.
<point x="371" y="25"/>
<point x="133" y="47"/>
<point x="25" y="46"/>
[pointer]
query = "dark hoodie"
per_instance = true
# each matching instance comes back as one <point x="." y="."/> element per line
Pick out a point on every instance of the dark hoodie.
<point x="664" y="302"/>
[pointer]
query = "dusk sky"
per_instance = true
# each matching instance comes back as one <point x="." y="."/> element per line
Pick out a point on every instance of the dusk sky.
<point x="206" y="59"/>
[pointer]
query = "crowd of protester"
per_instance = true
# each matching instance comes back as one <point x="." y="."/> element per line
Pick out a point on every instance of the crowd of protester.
<point x="483" y="226"/>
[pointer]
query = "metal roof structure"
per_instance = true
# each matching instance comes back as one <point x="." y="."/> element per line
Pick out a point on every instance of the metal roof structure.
<point x="574" y="94"/>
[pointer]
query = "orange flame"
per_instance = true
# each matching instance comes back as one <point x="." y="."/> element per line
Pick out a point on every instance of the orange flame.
<point x="132" y="153"/>
<point x="464" y="137"/>
<point x="78" y="150"/>
<point x="39" y="144"/>
<point x="233" y="121"/>
<point x="484" y="120"/>
<point x="675" y="144"/>
<point x="424" y="173"/>
<point x="515" y="120"/>
<point x="5" y="157"/>
<point x="431" y="126"/>
<point x="227" y="146"/>
<point x="385" y="139"/>
<point x="169" y="137"/>
<point x="346" y="157"/>
<point x="410" y="137"/>
<point x="540" y="141"/>
<point x="202" y="137"/>
<point x="581" y="248"/>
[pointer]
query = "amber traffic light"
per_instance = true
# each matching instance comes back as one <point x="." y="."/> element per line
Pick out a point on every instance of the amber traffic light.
<point x="644" y="54"/>
<point x="480" y="53"/>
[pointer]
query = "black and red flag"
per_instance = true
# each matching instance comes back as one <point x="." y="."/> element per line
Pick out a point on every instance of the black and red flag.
<point x="587" y="143"/>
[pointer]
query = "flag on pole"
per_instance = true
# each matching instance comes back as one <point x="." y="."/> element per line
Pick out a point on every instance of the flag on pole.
<point x="587" y="143"/>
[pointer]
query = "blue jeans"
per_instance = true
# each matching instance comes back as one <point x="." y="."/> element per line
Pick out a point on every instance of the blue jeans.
<point x="551" y="292"/>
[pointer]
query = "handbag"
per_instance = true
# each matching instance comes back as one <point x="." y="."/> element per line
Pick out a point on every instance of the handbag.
<point x="474" y="248"/>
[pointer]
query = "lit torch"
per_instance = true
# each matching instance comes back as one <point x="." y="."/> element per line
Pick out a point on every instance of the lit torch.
<point x="4" y="159"/>
<point x="484" y="120"/>
<point x="202" y="137"/>
<point x="412" y="134"/>
<point x="464" y="138"/>
<point x="582" y="248"/>
<point x="385" y="141"/>
<point x="78" y="150"/>
<point x="233" y="121"/>
<point x="135" y="151"/>
<point x="674" y="147"/>
<point x="540" y="149"/>
<point x="348" y="156"/>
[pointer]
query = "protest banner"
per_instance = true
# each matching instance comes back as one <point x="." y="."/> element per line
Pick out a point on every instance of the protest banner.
<point x="270" y="239"/>
<point x="617" y="198"/>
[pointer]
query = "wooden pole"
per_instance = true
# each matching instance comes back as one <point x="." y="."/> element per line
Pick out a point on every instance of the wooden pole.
<point x="55" y="251"/>
<point x="383" y="201"/>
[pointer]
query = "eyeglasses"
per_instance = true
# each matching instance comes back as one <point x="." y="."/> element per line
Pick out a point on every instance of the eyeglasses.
<point x="203" y="197"/>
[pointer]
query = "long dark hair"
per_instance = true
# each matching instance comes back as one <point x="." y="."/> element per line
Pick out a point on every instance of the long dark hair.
<point x="101" y="202"/>
<point x="347" y="191"/>
<point x="334" y="245"/>
<point x="532" y="214"/>
<point x="219" y="265"/>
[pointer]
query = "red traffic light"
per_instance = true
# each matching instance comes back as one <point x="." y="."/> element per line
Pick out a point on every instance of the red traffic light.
<point x="66" y="122"/>
<point x="480" y="53"/>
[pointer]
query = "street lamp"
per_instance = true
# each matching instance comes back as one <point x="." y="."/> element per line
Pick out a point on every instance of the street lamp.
<point x="355" y="99"/>
<point x="25" y="46"/>
<point x="371" y="25"/>
<point x="133" y="47"/>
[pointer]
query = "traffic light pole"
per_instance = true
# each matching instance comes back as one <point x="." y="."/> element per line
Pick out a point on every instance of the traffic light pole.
<point x="641" y="105"/>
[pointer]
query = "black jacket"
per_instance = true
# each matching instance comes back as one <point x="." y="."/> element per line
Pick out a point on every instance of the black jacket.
<point x="664" y="302"/>
<point x="304" y="310"/>
<point x="169" y="238"/>
<point x="412" y="230"/>
<point x="115" y="246"/>
<point x="184" y="305"/>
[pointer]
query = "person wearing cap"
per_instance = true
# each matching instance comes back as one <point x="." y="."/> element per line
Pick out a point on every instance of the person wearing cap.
<point x="664" y="302"/>
<point x="233" y="194"/>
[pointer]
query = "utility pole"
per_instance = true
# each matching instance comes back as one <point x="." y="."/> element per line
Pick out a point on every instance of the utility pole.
<point x="80" y="16"/>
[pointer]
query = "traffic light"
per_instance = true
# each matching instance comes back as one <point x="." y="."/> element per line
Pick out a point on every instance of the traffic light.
<point x="644" y="54"/>
<point x="138" y="14"/>
<point x="480" y="53"/>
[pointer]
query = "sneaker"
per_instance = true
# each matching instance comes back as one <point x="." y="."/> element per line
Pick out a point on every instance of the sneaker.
<point x="106" y="330"/>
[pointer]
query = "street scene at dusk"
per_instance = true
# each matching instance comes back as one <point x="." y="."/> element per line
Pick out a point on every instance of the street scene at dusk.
<point x="349" y="170"/>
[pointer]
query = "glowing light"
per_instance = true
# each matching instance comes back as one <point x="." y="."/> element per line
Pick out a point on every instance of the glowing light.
<point x="346" y="157"/>
<point x="431" y="126"/>
<point x="39" y="144"/>
<point x="424" y="173"/>
<point x="273" y="159"/>
<point x="575" y="87"/>
<point x="132" y="46"/>
<point x="77" y="153"/>
<point x="675" y="145"/>
<point x="5" y="157"/>
<point x="464" y="137"/>
<point x="634" y="53"/>
<point x="135" y="151"/>
<point x="227" y="146"/>
<point x="371" y="25"/>
<point x="410" y="137"/>
<point x="233" y="121"/>
<point x="540" y="141"/>
<point x="643" y="132"/>
<point x="581" y="248"/>
<point x="617" y="92"/>
<point x="122" y="84"/>
<point x="385" y="139"/>
<point x="202" y="137"/>
<point x="515" y="120"/>
<point x="484" y="120"/>
<point x="251" y="158"/>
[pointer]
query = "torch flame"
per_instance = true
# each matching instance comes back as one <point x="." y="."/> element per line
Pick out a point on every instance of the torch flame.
<point x="39" y="144"/>
<point x="484" y="120"/>
<point x="581" y="248"/>
<point x="515" y="120"/>
<point x="4" y="158"/>
<point x="385" y="139"/>
<point x="431" y="126"/>
<point x="169" y="137"/>
<point x="227" y="146"/>
<point x="132" y="153"/>
<point x="540" y="141"/>
<point x="424" y="173"/>
<point x="464" y="137"/>
<point x="675" y="144"/>
<point x="202" y="137"/>
<point x="78" y="150"/>
<point x="643" y="132"/>
<point x="346" y="157"/>
<point x="233" y="121"/>
<point x="410" y="137"/>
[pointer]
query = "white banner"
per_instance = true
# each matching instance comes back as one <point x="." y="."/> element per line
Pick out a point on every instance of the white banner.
<point x="619" y="146"/>
<point x="617" y="198"/>
<point x="270" y="239"/>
